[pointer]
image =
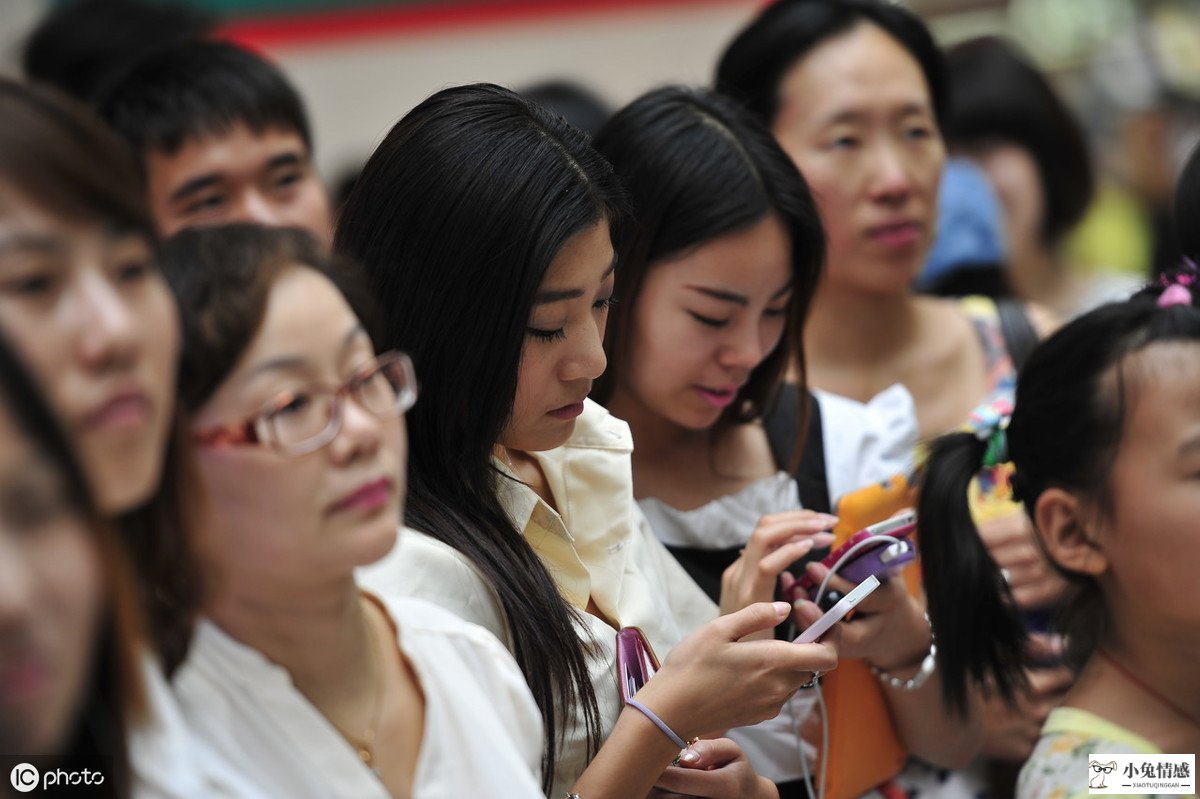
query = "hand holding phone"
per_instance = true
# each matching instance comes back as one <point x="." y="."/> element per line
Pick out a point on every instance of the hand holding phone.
<point x="882" y="558"/>
<point x="838" y="611"/>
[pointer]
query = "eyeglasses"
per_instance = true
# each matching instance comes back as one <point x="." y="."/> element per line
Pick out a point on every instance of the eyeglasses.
<point x="299" y="422"/>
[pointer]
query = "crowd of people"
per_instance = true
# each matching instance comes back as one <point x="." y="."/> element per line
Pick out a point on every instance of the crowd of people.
<point x="364" y="501"/>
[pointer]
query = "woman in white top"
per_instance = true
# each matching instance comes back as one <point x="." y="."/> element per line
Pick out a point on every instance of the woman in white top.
<point x="301" y="682"/>
<point x="485" y="225"/>
<point x="86" y="309"/>
<point x="713" y="289"/>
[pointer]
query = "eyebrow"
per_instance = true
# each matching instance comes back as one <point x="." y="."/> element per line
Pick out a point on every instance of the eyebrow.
<point x="208" y="180"/>
<point x="30" y="242"/>
<point x="734" y="297"/>
<point x="546" y="297"/>
<point x="293" y="362"/>
<point x="851" y="115"/>
<point x="194" y="186"/>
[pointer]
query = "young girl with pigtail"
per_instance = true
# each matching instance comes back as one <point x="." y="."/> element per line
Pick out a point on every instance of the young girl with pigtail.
<point x="1104" y="438"/>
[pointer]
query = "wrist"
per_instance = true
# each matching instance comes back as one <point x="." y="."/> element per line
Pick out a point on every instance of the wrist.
<point x="909" y="651"/>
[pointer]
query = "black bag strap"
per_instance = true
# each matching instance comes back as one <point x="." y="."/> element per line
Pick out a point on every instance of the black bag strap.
<point x="1020" y="337"/>
<point x="782" y="424"/>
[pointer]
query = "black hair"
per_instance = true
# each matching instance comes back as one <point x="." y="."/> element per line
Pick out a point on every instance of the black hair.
<point x="113" y="701"/>
<point x="575" y="103"/>
<point x="698" y="166"/>
<point x="80" y="45"/>
<point x="195" y="89"/>
<point x="1187" y="207"/>
<point x="998" y="96"/>
<point x="756" y="61"/>
<point x="1069" y="417"/>
<point x="222" y="277"/>
<point x="456" y="217"/>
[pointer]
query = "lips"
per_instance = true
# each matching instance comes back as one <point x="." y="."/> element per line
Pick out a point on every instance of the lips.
<point x="568" y="411"/>
<point x="901" y="234"/>
<point x="23" y="679"/>
<point x="122" y="410"/>
<point x="719" y="397"/>
<point x="367" y="497"/>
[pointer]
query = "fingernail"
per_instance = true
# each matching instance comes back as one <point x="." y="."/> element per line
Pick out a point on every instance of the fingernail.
<point x="828" y="518"/>
<point x="689" y="756"/>
<point x="782" y="608"/>
<point x="823" y="537"/>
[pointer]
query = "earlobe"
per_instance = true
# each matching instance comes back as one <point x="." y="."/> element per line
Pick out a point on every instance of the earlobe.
<point x="1069" y="533"/>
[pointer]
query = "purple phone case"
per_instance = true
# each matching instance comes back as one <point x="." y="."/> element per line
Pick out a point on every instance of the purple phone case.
<point x="636" y="662"/>
<point x="883" y="561"/>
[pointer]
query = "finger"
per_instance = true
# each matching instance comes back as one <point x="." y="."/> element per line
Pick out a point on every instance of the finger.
<point x="805" y="613"/>
<point x="792" y="516"/>
<point x="817" y="572"/>
<point x="774" y="564"/>
<point x="750" y="619"/>
<point x="763" y="541"/>
<point x="799" y="659"/>
<point x="1046" y="647"/>
<point x="1044" y="682"/>
<point x="710" y="753"/>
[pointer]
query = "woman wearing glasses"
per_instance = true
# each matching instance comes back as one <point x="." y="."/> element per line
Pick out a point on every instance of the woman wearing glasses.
<point x="298" y="679"/>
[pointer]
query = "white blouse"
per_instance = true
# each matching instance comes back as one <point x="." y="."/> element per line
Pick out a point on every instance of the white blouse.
<point x="482" y="734"/>
<point x="165" y="761"/>
<point x="597" y="545"/>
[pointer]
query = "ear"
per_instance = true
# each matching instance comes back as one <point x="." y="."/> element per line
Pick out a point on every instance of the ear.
<point x="1069" y="533"/>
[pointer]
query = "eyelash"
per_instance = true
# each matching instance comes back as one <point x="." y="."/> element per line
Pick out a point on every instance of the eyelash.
<point x="559" y="334"/>
<point x="708" y="321"/>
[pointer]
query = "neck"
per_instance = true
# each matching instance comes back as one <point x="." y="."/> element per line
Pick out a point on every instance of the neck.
<point x="655" y="437"/>
<point x="320" y="635"/>
<point x="1163" y="663"/>
<point x="1036" y="276"/>
<point x="853" y="328"/>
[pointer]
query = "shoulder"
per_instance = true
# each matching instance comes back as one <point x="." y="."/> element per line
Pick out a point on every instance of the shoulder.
<point x="1069" y="738"/>
<point x="422" y="567"/>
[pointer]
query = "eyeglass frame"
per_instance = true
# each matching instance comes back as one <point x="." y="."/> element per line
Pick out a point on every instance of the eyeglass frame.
<point x="258" y="430"/>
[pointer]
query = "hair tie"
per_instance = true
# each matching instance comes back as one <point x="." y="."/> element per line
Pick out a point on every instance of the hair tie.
<point x="989" y="422"/>
<point x="1177" y="287"/>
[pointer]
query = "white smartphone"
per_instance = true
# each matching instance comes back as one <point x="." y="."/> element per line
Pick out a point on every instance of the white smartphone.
<point x="838" y="611"/>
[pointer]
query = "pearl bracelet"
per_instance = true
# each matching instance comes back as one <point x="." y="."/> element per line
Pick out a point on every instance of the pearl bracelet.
<point x="923" y="673"/>
<point x="917" y="680"/>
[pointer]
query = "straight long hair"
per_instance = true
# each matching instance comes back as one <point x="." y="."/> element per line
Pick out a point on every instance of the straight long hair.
<point x="456" y="218"/>
<point x="698" y="166"/>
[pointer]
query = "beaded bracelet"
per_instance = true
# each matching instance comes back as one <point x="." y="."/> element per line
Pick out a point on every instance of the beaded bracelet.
<point x="923" y="673"/>
<point x="918" y="679"/>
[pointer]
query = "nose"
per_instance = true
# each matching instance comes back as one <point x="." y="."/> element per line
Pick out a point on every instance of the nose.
<point x="108" y="331"/>
<point x="891" y="181"/>
<point x="744" y="349"/>
<point x="587" y="360"/>
<point x="360" y="434"/>
<point x="257" y="208"/>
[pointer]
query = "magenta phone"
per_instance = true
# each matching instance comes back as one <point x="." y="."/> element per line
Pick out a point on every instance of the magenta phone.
<point x="636" y="662"/>
<point x="882" y="559"/>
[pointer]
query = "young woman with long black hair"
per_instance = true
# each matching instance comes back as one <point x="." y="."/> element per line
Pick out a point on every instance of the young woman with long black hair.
<point x="485" y="224"/>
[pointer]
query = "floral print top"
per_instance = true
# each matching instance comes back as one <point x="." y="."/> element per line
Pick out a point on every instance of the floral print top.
<point x="1058" y="768"/>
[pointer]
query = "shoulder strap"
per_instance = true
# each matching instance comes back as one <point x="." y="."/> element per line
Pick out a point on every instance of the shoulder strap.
<point x="782" y="423"/>
<point x="1020" y="337"/>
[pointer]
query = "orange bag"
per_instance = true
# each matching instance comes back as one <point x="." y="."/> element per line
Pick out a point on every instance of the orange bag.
<point x="864" y="748"/>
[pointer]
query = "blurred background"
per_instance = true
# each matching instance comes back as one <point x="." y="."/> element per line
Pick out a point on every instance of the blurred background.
<point x="1128" y="69"/>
